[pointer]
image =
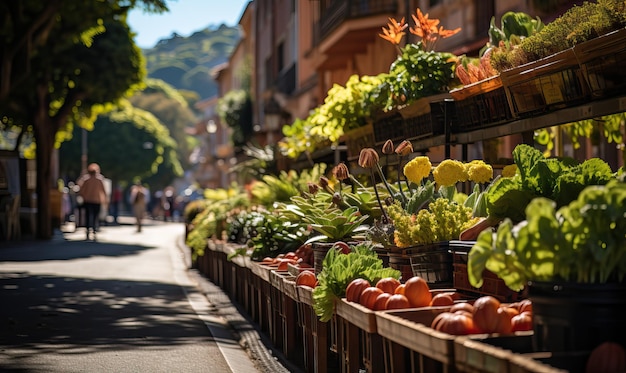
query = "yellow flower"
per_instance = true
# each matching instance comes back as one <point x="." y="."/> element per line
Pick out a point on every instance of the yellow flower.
<point x="417" y="169"/>
<point x="479" y="172"/>
<point x="509" y="171"/>
<point x="449" y="172"/>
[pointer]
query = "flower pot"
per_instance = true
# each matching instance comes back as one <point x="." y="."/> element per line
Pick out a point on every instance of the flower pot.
<point x="424" y="117"/>
<point x="481" y="104"/>
<point x="577" y="317"/>
<point x="388" y="126"/>
<point x="545" y="85"/>
<point x="357" y="139"/>
<point x="601" y="62"/>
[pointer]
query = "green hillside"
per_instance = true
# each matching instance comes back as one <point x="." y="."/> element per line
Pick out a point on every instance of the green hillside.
<point x="186" y="62"/>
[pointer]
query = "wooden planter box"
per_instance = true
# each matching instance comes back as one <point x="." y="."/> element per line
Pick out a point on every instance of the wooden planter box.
<point x="389" y="126"/>
<point x="545" y="85"/>
<point x="481" y="104"/>
<point x="601" y="61"/>
<point x="411" y="329"/>
<point x="492" y="284"/>
<point x="425" y="117"/>
<point x="357" y="139"/>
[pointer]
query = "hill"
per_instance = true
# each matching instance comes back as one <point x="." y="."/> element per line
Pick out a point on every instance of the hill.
<point x="186" y="62"/>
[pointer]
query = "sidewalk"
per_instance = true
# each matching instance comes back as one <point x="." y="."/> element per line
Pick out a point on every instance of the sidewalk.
<point x="127" y="303"/>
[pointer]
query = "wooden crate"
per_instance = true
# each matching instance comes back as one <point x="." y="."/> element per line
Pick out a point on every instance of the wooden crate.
<point x="601" y="62"/>
<point x="545" y="85"/>
<point x="480" y="105"/>
<point x="411" y="329"/>
<point x="361" y="346"/>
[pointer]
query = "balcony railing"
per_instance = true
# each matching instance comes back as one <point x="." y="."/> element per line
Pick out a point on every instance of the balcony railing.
<point x="339" y="11"/>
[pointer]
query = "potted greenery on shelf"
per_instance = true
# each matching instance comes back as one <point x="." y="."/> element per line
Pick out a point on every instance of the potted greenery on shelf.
<point x="568" y="249"/>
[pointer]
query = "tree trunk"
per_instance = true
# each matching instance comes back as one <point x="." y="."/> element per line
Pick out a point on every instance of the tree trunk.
<point x="44" y="137"/>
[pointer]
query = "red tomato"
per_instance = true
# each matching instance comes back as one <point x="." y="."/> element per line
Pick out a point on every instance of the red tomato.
<point x="342" y="246"/>
<point x="441" y="299"/>
<point x="521" y="322"/>
<point x="381" y="302"/>
<point x="369" y="295"/>
<point x="355" y="288"/>
<point x="397" y="302"/>
<point x="489" y="317"/>
<point x="388" y="284"/>
<point x="454" y="323"/>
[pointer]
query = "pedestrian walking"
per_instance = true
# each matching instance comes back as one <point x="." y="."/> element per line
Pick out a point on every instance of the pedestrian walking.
<point x="93" y="195"/>
<point x="139" y="198"/>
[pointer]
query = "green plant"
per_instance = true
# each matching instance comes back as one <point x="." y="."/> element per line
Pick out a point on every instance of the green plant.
<point x="578" y="24"/>
<point x="344" y="108"/>
<point x="581" y="242"/>
<point x="441" y="220"/>
<point x="339" y="269"/>
<point x="415" y="74"/>
<point x="418" y="71"/>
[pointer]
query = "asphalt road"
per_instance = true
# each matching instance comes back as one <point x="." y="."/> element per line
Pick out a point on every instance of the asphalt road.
<point x="122" y="304"/>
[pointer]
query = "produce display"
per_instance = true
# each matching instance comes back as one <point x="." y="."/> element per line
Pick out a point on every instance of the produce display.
<point x="541" y="220"/>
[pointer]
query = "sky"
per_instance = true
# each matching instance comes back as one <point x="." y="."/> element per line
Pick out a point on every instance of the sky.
<point x="184" y="18"/>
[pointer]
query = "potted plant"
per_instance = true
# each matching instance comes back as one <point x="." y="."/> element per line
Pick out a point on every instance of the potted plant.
<point x="543" y="73"/>
<point x="419" y="73"/>
<point x="482" y="99"/>
<point x="569" y="254"/>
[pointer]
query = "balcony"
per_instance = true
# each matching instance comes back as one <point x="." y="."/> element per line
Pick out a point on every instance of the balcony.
<point x="346" y="27"/>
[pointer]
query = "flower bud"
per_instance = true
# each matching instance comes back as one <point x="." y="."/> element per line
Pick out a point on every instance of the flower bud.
<point x="368" y="158"/>
<point x="313" y="188"/>
<point x="405" y="148"/>
<point x="388" y="147"/>
<point x="337" y="200"/>
<point x="323" y="181"/>
<point x="341" y="171"/>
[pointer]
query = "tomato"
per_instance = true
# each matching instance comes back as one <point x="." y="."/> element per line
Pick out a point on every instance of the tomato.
<point x="369" y="295"/>
<point x="607" y="357"/>
<point x="381" y="302"/>
<point x="525" y="305"/>
<point x="510" y="310"/>
<point x="342" y="246"/>
<point x="489" y="317"/>
<point x="388" y="284"/>
<point x="441" y="299"/>
<point x="355" y="288"/>
<point x="454" y="323"/>
<point x="522" y="321"/>
<point x="397" y="302"/>
<point x="306" y="278"/>
<point x="399" y="289"/>
<point x="462" y="306"/>
<point x="417" y="291"/>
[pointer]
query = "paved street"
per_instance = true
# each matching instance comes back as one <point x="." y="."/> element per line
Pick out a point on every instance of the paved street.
<point x="125" y="303"/>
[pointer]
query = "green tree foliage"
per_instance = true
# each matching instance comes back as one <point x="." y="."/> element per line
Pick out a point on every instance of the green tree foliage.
<point x="52" y="69"/>
<point x="127" y="142"/>
<point x="235" y="109"/>
<point x="172" y="110"/>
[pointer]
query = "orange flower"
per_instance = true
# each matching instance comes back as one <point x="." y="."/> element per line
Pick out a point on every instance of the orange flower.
<point x="427" y="29"/>
<point x="395" y="31"/>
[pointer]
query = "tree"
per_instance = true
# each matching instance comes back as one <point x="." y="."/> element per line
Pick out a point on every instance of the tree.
<point x="52" y="69"/>
<point x="126" y="133"/>
<point x="172" y="110"/>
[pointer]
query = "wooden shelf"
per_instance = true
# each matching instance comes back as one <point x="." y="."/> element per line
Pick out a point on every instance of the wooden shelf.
<point x="589" y="110"/>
